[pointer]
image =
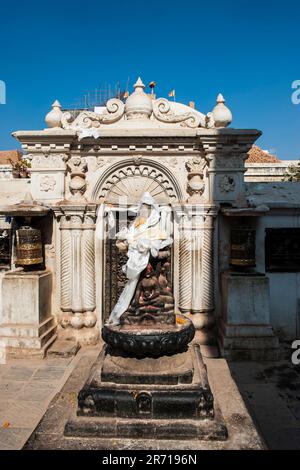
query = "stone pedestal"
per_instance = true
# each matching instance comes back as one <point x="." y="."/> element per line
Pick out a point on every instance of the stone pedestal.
<point x="245" y="329"/>
<point x="167" y="397"/>
<point x="27" y="324"/>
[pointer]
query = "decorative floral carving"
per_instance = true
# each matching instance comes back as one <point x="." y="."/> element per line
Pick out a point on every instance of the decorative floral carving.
<point x="47" y="183"/>
<point x="89" y="119"/>
<point x="162" y="112"/>
<point x="226" y="184"/>
<point x="195" y="186"/>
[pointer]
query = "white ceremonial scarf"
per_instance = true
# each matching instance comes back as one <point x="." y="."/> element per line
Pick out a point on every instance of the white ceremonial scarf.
<point x="142" y="241"/>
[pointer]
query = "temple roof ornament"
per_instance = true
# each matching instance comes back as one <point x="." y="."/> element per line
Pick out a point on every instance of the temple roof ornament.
<point x="220" y="116"/>
<point x="139" y="111"/>
<point x="53" y="118"/>
<point x="138" y="105"/>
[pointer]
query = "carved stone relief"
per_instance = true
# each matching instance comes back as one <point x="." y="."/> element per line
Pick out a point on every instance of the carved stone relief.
<point x="195" y="186"/>
<point x="48" y="161"/>
<point x="78" y="168"/>
<point x="130" y="182"/>
<point x="47" y="183"/>
<point x="227" y="184"/>
<point x="88" y="119"/>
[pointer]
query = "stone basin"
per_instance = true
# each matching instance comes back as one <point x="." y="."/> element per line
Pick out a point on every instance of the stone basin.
<point x="150" y="340"/>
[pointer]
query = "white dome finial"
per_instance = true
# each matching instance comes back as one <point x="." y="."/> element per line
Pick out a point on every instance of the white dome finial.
<point x="221" y="114"/>
<point x="53" y="118"/>
<point x="138" y="105"/>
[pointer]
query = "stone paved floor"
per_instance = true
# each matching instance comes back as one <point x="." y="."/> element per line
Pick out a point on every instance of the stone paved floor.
<point x="26" y="388"/>
<point x="271" y="392"/>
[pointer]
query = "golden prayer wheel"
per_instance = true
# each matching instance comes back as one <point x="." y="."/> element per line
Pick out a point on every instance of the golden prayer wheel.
<point x="243" y="247"/>
<point x="29" y="246"/>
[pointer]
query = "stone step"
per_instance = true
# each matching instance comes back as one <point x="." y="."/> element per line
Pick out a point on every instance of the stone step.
<point x="21" y="353"/>
<point x="25" y="342"/>
<point x="64" y="348"/>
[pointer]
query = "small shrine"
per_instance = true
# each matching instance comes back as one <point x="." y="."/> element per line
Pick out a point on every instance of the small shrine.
<point x="138" y="234"/>
<point x="89" y="173"/>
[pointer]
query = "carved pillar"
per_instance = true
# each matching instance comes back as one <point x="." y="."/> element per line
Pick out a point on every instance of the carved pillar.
<point x="196" y="269"/>
<point x="185" y="264"/>
<point x="77" y="272"/>
<point x="206" y="317"/>
<point x="208" y="265"/>
<point x="65" y="266"/>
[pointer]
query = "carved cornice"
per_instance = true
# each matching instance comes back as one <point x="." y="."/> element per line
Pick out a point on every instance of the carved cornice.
<point x="80" y="217"/>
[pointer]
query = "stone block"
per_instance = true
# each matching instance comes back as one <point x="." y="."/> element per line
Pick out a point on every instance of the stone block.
<point x="47" y="185"/>
<point x="26" y="297"/>
<point x="64" y="348"/>
<point x="245" y="331"/>
<point x="27" y="324"/>
<point x="245" y="299"/>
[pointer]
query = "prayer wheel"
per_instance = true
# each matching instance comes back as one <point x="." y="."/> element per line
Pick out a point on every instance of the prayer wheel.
<point x="242" y="247"/>
<point x="29" y="246"/>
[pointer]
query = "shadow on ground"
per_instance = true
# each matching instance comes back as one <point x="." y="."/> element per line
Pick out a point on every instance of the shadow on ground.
<point x="271" y="391"/>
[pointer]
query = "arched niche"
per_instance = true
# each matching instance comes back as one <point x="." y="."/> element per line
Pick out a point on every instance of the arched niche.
<point x="120" y="187"/>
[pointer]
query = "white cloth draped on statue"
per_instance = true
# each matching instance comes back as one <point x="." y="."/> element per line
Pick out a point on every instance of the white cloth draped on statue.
<point x="142" y="240"/>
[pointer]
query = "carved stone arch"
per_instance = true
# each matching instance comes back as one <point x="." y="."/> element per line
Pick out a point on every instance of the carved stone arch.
<point x="132" y="177"/>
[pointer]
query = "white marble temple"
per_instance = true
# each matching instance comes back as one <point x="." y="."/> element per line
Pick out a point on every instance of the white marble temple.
<point x="190" y="161"/>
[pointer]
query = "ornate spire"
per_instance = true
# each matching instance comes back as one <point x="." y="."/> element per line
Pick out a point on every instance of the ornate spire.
<point x="220" y="98"/>
<point x="139" y="84"/>
<point x="138" y="104"/>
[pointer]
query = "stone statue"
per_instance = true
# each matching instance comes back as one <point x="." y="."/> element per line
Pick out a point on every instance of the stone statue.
<point x="149" y="294"/>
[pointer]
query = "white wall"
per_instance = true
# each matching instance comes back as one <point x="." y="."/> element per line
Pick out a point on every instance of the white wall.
<point x="284" y="287"/>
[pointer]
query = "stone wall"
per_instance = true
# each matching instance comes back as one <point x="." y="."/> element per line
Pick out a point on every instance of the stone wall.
<point x="267" y="172"/>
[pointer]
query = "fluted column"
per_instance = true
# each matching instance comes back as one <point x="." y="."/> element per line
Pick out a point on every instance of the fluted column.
<point x="77" y="272"/>
<point x="185" y="267"/>
<point x="65" y="267"/>
<point x="206" y="317"/>
<point x="196" y="269"/>
<point x="88" y="269"/>
<point x="208" y="301"/>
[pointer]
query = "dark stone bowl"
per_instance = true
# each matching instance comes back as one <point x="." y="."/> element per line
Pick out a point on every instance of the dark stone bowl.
<point x="151" y="341"/>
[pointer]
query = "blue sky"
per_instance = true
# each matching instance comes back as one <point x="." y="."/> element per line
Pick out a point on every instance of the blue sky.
<point x="248" y="50"/>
